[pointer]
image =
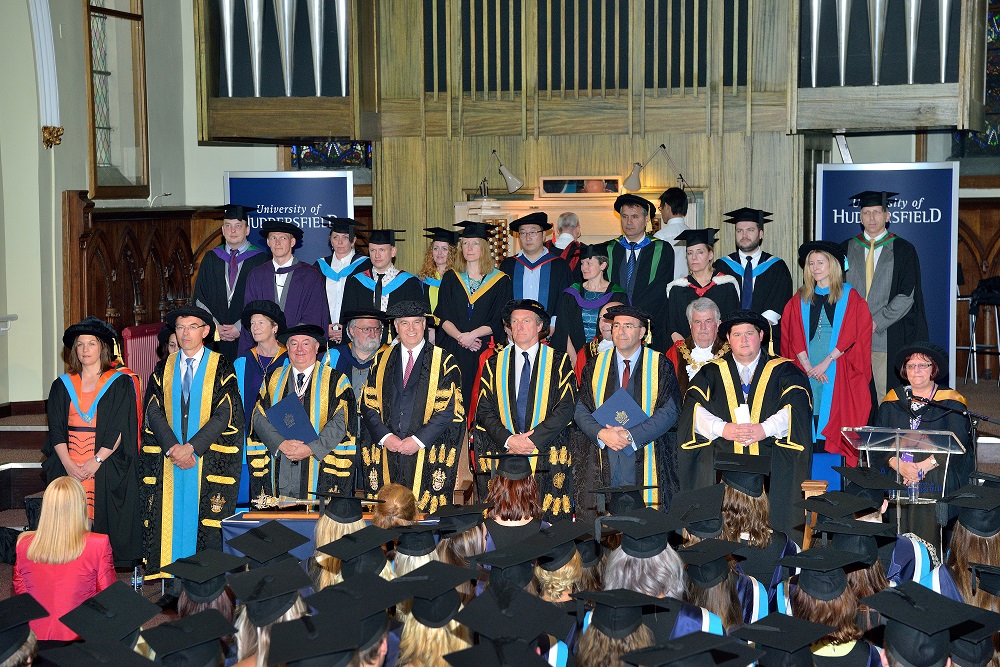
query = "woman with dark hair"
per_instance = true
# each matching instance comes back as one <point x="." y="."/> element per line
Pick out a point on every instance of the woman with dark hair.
<point x="517" y="508"/>
<point x="702" y="281"/>
<point x="579" y="306"/>
<point x="166" y="344"/>
<point x="92" y="430"/>
<point x="439" y="258"/>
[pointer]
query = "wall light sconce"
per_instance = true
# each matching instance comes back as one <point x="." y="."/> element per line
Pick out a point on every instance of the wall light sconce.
<point x="633" y="182"/>
<point x="513" y="182"/>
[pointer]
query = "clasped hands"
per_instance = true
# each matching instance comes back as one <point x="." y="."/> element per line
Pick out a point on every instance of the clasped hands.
<point x="469" y="341"/>
<point x="615" y="437"/>
<point x="182" y="456"/>
<point x="745" y="433"/>
<point x="228" y="332"/>
<point x="520" y="443"/>
<point x="294" y="450"/>
<point x="407" y="445"/>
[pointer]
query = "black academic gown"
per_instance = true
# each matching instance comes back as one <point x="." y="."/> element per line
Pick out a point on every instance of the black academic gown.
<point x="359" y="292"/>
<point x="648" y="288"/>
<point x="681" y="292"/>
<point x="569" y="321"/>
<point x="777" y="384"/>
<point x="433" y="414"/>
<point x="211" y="291"/>
<point x="116" y="483"/>
<point x="772" y="287"/>
<point x="555" y="277"/>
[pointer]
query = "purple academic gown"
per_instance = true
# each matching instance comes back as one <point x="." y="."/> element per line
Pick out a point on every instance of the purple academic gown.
<point x="305" y="296"/>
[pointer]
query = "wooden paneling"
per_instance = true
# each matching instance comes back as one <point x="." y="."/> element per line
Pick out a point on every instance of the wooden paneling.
<point x="870" y="108"/>
<point x="280" y="118"/>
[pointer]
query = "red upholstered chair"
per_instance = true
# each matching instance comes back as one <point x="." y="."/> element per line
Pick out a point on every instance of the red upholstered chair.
<point x="140" y="348"/>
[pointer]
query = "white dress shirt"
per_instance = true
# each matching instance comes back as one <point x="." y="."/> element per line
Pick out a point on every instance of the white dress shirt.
<point x="404" y="354"/>
<point x="281" y="278"/>
<point x="710" y="426"/>
<point x="335" y="288"/>
<point x="668" y="232"/>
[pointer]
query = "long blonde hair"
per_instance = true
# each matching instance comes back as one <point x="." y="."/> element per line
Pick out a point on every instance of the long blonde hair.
<point x="836" y="279"/>
<point x="254" y="641"/>
<point x="328" y="530"/>
<point x="62" y="526"/>
<point x="486" y="261"/>
<point x="423" y="646"/>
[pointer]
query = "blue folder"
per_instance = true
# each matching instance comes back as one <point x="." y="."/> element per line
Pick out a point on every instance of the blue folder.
<point x="620" y="410"/>
<point x="290" y="419"/>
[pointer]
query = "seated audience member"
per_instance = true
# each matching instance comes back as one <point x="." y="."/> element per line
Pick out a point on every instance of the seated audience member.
<point x="702" y="281"/>
<point x="462" y="537"/>
<point x="199" y="639"/>
<point x="267" y="544"/>
<point x="396" y="507"/>
<point x="62" y="564"/>
<point x="415" y="547"/>
<point x="714" y="584"/>
<point x="516" y="511"/>
<point x="703" y="345"/>
<point x="784" y="639"/>
<point x="18" y="643"/>
<point x="342" y="515"/>
<point x="269" y="595"/>
<point x="116" y="614"/>
<point x="615" y="626"/>
<point x="363" y="552"/>
<point x="430" y="630"/>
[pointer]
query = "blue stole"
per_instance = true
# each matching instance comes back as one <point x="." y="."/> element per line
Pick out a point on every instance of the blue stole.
<point x="331" y="357"/>
<point x="761" y="267"/>
<point x="910" y="561"/>
<point x="543" y="266"/>
<point x="831" y="372"/>
<point x="753" y="598"/>
<point x="432" y="282"/>
<point x="240" y="365"/>
<point x="690" y="619"/>
<point x="369" y="281"/>
<point x="939" y="580"/>
<point x="333" y="275"/>
<point x="87" y="416"/>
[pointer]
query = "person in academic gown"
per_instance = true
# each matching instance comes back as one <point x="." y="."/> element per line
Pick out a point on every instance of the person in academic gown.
<point x="894" y="293"/>
<point x="221" y="284"/>
<point x="774" y="398"/>
<point x="580" y="304"/>
<point x="438" y="260"/>
<point x="282" y="466"/>
<point x="836" y="352"/>
<point x="338" y="267"/>
<point x="192" y="446"/>
<point x="765" y="282"/>
<point x="535" y="273"/>
<point x="414" y="421"/>
<point x="702" y="281"/>
<point x="91" y="438"/>
<point x="526" y="409"/>
<point x="382" y="285"/>
<point x="470" y="304"/>
<point x="297" y="288"/>
<point x="354" y="359"/>
<point x="702" y="346"/>
<point x="641" y="264"/>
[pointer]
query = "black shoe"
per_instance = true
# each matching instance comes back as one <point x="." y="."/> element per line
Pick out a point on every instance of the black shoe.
<point x="167" y="602"/>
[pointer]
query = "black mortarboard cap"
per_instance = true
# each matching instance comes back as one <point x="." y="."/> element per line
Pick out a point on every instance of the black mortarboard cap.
<point x="475" y="230"/>
<point x="449" y="236"/>
<point x="917" y="622"/>
<point x="972" y="640"/>
<point x="270" y="591"/>
<point x="512" y="466"/>
<point x="699" y="510"/>
<point x="281" y="227"/>
<point x="512" y="612"/>
<point x="618" y="612"/>
<point x="505" y="652"/>
<point x="645" y="532"/>
<point x="749" y="215"/>
<point x="837" y="504"/>
<point x="708" y="561"/>
<point x="15" y="613"/>
<point x="314" y="641"/>
<point x="314" y="331"/>
<point x="385" y="236"/>
<point x="416" y="540"/>
<point x="455" y="519"/>
<point x="977" y="509"/>
<point x="785" y="639"/>
<point x="822" y="572"/>
<point x="537" y="218"/>
<point x="634" y="200"/>
<point x="695" y="236"/>
<point x="432" y="587"/>
<point x="525" y="304"/>
<point x="698" y="649"/>
<point x="203" y="575"/>
<point x="868" y="483"/>
<point x="744" y="472"/>
<point x="192" y="311"/>
<point x="361" y="551"/>
<point x="620" y="499"/>
<point x="192" y="641"/>
<point x="556" y="544"/>
<point x="237" y="211"/>
<point x="988" y="480"/>
<point x="986" y="577"/>
<point x="744" y="316"/>
<point x="266" y="308"/>
<point x="94" y="653"/>
<point x="513" y="564"/>
<point x="591" y="548"/>
<point x="829" y="247"/>
<point x="266" y="543"/>
<point x="364" y="598"/>
<point x="857" y="537"/>
<point x="407" y="309"/>
<point x="341" y="225"/>
<point x="116" y="613"/>
<point x="343" y="508"/>
<point x="874" y="198"/>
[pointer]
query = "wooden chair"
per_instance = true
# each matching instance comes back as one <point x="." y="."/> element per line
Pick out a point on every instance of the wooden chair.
<point x="810" y="488"/>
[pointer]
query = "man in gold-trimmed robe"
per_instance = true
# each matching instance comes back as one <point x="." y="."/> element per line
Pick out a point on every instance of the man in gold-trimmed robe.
<point x="749" y="402"/>
<point x="413" y="421"/>
<point x="290" y="467"/>
<point x="526" y="400"/>
<point x="191" y="454"/>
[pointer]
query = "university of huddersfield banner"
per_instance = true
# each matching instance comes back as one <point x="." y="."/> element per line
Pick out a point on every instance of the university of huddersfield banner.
<point x="925" y="214"/>
<point x="299" y="197"/>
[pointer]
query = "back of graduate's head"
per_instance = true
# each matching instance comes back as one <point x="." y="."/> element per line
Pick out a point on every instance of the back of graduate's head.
<point x="661" y="575"/>
<point x="744" y="513"/>
<point x="24" y="655"/>
<point x="514" y="499"/>
<point x="675" y="201"/>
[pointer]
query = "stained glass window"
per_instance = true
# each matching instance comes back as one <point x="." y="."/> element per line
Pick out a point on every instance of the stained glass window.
<point x="333" y="155"/>
<point x="985" y="144"/>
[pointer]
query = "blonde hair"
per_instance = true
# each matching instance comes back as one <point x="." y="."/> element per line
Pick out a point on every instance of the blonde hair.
<point x="28" y="651"/>
<point x="836" y="279"/>
<point x="62" y="526"/>
<point x="423" y="646"/>
<point x="597" y="649"/>
<point x="429" y="269"/>
<point x="399" y="508"/>
<point x="254" y="641"/>
<point x="486" y="261"/>
<point x="552" y="585"/>
<point x="457" y="549"/>
<point x="328" y="530"/>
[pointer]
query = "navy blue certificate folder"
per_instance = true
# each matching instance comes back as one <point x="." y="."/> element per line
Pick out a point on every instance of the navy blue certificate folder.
<point x="290" y="419"/>
<point x="620" y="410"/>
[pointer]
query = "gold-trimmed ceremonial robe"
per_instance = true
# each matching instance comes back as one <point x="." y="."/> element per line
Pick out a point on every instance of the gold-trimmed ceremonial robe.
<point x="777" y="384"/>
<point x="429" y="408"/>
<point x="329" y="402"/>
<point x="551" y="402"/>
<point x="183" y="509"/>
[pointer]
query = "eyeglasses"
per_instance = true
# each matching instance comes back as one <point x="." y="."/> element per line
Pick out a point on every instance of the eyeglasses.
<point x="627" y="326"/>
<point x="529" y="234"/>
<point x="917" y="367"/>
<point x="181" y="328"/>
<point x="369" y="330"/>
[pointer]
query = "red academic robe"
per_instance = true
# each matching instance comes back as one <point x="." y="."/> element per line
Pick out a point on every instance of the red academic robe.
<point x="850" y="402"/>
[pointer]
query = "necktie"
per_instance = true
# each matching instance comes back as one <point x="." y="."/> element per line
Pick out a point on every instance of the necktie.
<point x="522" y="393"/>
<point x="869" y="267"/>
<point x="630" y="268"/>
<point x="408" y="369"/>
<point x="300" y="380"/>
<point x="378" y="291"/>
<point x="234" y="269"/>
<point x="745" y="381"/>
<point x="747" y="297"/>
<point x="188" y="376"/>
<point x="626" y="374"/>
